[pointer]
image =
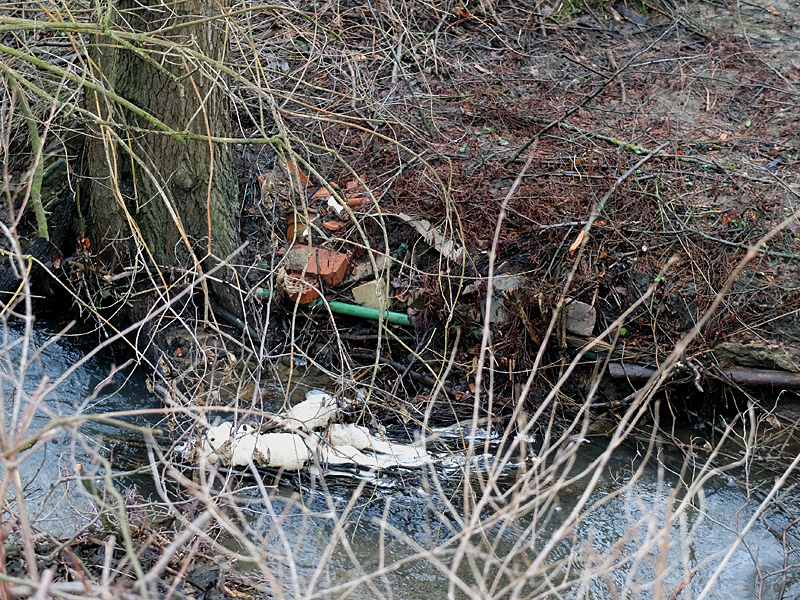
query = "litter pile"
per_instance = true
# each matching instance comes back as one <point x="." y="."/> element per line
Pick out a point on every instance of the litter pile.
<point x="325" y="250"/>
<point x="304" y="436"/>
<point x="341" y="249"/>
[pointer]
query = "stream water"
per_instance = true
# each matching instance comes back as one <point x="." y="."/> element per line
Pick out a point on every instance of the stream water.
<point x="403" y="515"/>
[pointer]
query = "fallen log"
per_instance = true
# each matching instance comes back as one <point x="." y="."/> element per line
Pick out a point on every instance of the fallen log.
<point x="747" y="377"/>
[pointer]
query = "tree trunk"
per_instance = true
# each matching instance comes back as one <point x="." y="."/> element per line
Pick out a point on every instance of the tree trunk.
<point x="138" y="199"/>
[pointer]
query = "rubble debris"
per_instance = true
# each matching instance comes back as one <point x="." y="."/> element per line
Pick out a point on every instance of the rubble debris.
<point x="447" y="248"/>
<point x="772" y="356"/>
<point x="580" y="318"/>
<point x="372" y="294"/>
<point x="296" y="287"/>
<point x="501" y="284"/>
<point x="364" y="268"/>
<point x="329" y="266"/>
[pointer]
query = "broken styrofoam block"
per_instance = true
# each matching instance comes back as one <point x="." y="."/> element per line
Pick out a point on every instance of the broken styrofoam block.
<point x="353" y="435"/>
<point x="300" y="445"/>
<point x="225" y="445"/>
<point x="244" y="445"/>
<point x="288" y="451"/>
<point x="372" y="294"/>
<point x="345" y="455"/>
<point x="580" y="318"/>
<point x="316" y="411"/>
<point x="293" y="451"/>
<point x="361" y="439"/>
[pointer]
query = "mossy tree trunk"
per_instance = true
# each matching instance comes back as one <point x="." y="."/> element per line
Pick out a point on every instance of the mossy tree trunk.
<point x="133" y="202"/>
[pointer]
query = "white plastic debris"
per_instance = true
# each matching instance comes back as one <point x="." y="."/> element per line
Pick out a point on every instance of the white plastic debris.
<point x="447" y="248"/>
<point x="335" y="205"/>
<point x="296" y="447"/>
<point x="315" y="412"/>
<point x="393" y="454"/>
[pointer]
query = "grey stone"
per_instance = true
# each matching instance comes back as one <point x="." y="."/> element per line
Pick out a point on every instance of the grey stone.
<point x="761" y="356"/>
<point x="372" y="294"/>
<point x="500" y="284"/>
<point x="580" y="318"/>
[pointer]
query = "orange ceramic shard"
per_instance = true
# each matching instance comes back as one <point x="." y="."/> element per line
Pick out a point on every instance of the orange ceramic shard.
<point x="294" y="168"/>
<point x="334" y="225"/>
<point x="320" y="196"/>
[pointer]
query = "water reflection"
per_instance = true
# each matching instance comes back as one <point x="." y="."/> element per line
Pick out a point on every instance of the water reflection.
<point x="398" y="540"/>
<point x="402" y="534"/>
<point x="52" y="472"/>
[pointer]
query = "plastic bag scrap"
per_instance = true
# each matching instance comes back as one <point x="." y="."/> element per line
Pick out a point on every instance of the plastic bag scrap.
<point x="446" y="247"/>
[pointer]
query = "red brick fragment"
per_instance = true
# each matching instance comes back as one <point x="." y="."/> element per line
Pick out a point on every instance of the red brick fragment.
<point x="328" y="265"/>
<point x="296" y="287"/>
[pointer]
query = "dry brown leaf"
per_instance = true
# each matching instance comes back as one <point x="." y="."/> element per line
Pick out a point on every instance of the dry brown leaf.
<point x="577" y="241"/>
<point x="773" y="421"/>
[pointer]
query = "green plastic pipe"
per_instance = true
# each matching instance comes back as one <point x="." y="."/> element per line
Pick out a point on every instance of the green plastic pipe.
<point x="355" y="310"/>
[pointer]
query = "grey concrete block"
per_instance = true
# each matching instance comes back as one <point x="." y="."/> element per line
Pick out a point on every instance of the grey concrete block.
<point x="580" y="318"/>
